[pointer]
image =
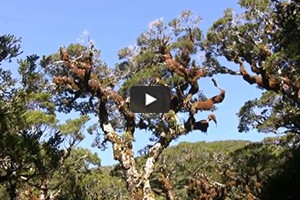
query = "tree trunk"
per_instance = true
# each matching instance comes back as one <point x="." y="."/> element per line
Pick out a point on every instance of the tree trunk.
<point x="12" y="190"/>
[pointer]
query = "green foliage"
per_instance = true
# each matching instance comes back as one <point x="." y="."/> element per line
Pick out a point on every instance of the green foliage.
<point x="184" y="44"/>
<point x="38" y="117"/>
<point x="37" y="151"/>
<point x="141" y="77"/>
<point x="255" y="168"/>
<point x="288" y="19"/>
<point x="242" y="168"/>
<point x="264" y="37"/>
<point x="188" y="160"/>
<point x="30" y="139"/>
<point x="262" y="5"/>
<point x="143" y="64"/>
<point x="74" y="126"/>
<point x="268" y="114"/>
<point x="85" y="180"/>
<point x="9" y="47"/>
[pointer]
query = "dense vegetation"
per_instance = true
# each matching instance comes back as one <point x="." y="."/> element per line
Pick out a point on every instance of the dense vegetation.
<point x="39" y="153"/>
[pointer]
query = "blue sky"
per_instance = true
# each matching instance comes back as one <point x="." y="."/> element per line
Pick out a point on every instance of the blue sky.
<point x="46" y="25"/>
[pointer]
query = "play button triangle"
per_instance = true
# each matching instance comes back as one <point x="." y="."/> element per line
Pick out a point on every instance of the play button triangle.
<point x="149" y="99"/>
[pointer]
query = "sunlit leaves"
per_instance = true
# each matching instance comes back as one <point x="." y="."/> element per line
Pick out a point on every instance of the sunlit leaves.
<point x="37" y="117"/>
<point x="74" y="126"/>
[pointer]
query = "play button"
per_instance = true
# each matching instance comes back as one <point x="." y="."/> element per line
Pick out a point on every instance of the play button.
<point x="150" y="99"/>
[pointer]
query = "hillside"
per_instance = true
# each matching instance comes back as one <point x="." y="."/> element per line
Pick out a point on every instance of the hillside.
<point x="227" y="169"/>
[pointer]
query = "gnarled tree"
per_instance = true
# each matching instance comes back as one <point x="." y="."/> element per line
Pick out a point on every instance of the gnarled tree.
<point x="264" y="42"/>
<point x="163" y="55"/>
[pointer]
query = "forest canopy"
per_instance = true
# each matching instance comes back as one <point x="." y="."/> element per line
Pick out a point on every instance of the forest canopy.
<point x="40" y="153"/>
